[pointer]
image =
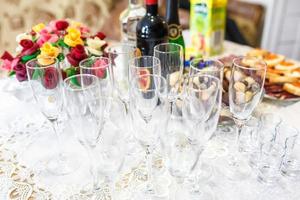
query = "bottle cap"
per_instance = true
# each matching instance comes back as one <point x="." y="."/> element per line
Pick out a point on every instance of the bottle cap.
<point x="151" y="2"/>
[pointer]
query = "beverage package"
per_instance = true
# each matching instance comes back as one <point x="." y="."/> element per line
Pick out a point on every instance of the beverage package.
<point x="207" y="26"/>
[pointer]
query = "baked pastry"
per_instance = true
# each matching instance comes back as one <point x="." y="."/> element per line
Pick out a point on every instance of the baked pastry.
<point x="293" y="88"/>
<point x="287" y="65"/>
<point x="273" y="59"/>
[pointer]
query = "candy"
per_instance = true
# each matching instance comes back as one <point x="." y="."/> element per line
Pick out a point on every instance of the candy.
<point x="248" y="96"/>
<point x="239" y="86"/>
<point x="238" y="76"/>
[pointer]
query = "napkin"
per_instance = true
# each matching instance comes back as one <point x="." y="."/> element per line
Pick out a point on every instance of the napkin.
<point x="20" y="90"/>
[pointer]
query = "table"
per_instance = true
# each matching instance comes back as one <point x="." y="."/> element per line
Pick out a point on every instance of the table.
<point x="21" y="176"/>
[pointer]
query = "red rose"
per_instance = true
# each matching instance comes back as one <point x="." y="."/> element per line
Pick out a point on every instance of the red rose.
<point x="20" y="70"/>
<point x="76" y="55"/>
<point x="100" y="35"/>
<point x="51" y="78"/>
<point x="61" y="25"/>
<point x="7" y="56"/>
<point x="29" y="47"/>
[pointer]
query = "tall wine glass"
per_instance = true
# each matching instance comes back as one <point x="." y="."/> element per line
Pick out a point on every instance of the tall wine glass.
<point x="245" y="91"/>
<point x="185" y="145"/>
<point x="216" y="69"/>
<point x="85" y="108"/>
<point x="245" y="88"/>
<point x="46" y="84"/>
<point x="149" y="111"/>
<point x="98" y="66"/>
<point x="120" y="55"/>
<point x="171" y="59"/>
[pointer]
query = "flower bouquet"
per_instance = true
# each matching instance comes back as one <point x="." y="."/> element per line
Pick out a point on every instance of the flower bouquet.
<point x="67" y="41"/>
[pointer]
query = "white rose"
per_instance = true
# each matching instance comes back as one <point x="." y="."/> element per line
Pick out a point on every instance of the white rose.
<point x="23" y="36"/>
<point x="94" y="46"/>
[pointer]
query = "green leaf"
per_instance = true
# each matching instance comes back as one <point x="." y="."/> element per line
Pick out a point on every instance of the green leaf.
<point x="61" y="43"/>
<point x="61" y="57"/>
<point x="37" y="74"/>
<point x="70" y="72"/>
<point x="34" y="38"/>
<point x="25" y="59"/>
<point x="11" y="73"/>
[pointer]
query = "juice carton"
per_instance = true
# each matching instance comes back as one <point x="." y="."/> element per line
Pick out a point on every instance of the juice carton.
<point x="207" y="26"/>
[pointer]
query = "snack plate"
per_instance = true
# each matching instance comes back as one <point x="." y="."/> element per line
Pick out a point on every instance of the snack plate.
<point x="282" y="100"/>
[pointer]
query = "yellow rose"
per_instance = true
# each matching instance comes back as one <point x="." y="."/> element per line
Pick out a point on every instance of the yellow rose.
<point x="94" y="46"/>
<point x="73" y="37"/>
<point x="47" y="50"/>
<point x="37" y="28"/>
<point x="48" y="53"/>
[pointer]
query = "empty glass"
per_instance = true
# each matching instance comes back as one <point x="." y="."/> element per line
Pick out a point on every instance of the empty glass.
<point x="144" y="65"/>
<point x="171" y="59"/>
<point x="85" y="108"/>
<point x="98" y="66"/>
<point x="291" y="162"/>
<point x="245" y="91"/>
<point x="45" y="80"/>
<point x="245" y="88"/>
<point x="214" y="68"/>
<point x="185" y="144"/>
<point x="149" y="111"/>
<point x="120" y="55"/>
<point x="274" y="154"/>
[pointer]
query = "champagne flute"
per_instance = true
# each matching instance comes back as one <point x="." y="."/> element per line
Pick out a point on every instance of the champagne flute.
<point x="85" y="108"/>
<point x="149" y="111"/>
<point x="214" y="68"/>
<point x="245" y="91"/>
<point x="98" y="66"/>
<point x="171" y="59"/>
<point x="120" y="55"/>
<point x="186" y="144"/>
<point x="45" y="80"/>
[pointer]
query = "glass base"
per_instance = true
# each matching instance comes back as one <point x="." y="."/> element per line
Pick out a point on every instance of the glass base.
<point x="236" y="170"/>
<point x="200" y="192"/>
<point x="62" y="164"/>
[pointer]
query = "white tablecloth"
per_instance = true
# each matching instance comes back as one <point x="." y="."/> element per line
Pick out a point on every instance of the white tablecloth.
<point x="17" y="106"/>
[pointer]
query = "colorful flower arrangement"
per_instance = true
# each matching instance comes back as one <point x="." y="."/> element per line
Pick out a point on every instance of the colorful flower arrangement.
<point x="68" y="41"/>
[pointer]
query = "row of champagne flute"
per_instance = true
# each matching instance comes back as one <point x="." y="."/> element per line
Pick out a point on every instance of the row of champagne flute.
<point x="148" y="91"/>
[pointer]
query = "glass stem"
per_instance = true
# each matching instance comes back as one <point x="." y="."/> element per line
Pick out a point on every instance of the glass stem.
<point x="93" y="168"/>
<point x="149" y="168"/>
<point x="55" y="127"/>
<point x="239" y="125"/>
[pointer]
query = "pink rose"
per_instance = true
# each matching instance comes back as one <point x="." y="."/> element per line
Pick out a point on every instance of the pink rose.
<point x="45" y="36"/>
<point x="100" y="67"/>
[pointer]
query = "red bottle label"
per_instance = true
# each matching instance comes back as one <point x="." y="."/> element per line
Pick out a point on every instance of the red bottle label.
<point x="151" y="2"/>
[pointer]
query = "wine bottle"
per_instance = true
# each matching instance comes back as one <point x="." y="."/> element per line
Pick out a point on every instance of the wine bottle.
<point x="129" y="19"/>
<point x="151" y="30"/>
<point x="175" y="30"/>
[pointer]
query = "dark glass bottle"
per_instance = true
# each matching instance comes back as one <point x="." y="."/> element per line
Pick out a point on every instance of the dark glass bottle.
<point x="151" y="29"/>
<point x="175" y="30"/>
